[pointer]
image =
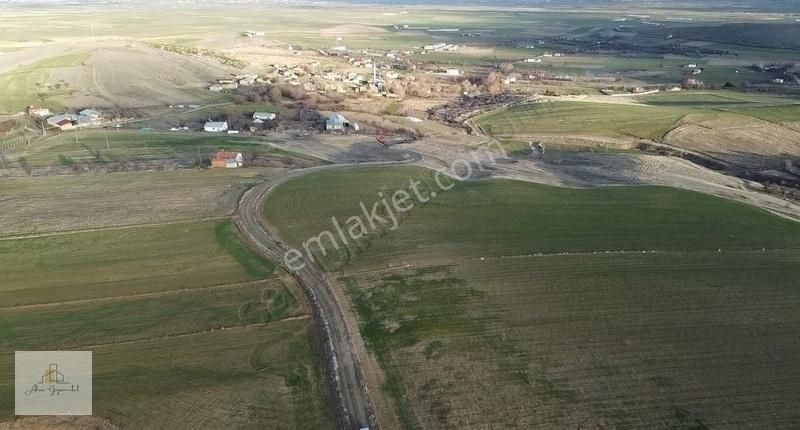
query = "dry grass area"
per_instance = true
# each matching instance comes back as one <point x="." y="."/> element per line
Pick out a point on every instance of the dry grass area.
<point x="104" y="74"/>
<point x="57" y="423"/>
<point x="35" y="205"/>
<point x="737" y="139"/>
<point x="351" y="30"/>
<point x="135" y="75"/>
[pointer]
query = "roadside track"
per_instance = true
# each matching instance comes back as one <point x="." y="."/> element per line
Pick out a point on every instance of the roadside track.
<point x="352" y="402"/>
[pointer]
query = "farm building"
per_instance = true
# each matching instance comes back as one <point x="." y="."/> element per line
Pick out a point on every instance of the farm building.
<point x="63" y="121"/>
<point x="215" y="127"/>
<point x="38" y="112"/>
<point x="264" y="116"/>
<point x="337" y="122"/>
<point x="89" y="115"/>
<point x="227" y="160"/>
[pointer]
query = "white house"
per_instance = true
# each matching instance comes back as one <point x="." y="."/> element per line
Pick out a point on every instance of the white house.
<point x="264" y="116"/>
<point x="90" y="115"/>
<point x="215" y="127"/>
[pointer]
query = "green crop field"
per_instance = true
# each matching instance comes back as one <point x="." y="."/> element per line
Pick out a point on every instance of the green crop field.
<point x="786" y="115"/>
<point x="188" y="326"/>
<point x="509" y="304"/>
<point x="585" y="119"/>
<point x="716" y="99"/>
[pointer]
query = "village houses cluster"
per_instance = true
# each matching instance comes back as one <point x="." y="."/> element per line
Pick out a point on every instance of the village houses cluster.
<point x="67" y="121"/>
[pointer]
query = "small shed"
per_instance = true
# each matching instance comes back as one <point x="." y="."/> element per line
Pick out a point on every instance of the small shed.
<point x="227" y="160"/>
<point x="38" y="112"/>
<point x="337" y="122"/>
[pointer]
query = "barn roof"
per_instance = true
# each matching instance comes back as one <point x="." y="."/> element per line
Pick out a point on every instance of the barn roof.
<point x="337" y="119"/>
<point x="226" y="155"/>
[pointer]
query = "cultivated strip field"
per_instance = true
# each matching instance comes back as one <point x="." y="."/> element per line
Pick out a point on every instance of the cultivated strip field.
<point x="582" y="119"/>
<point x="188" y="326"/>
<point x="514" y="305"/>
<point x="743" y="130"/>
<point x="37" y="205"/>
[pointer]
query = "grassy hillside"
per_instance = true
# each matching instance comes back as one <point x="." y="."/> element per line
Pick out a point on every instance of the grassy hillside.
<point x="511" y="304"/>
<point x="32" y="84"/>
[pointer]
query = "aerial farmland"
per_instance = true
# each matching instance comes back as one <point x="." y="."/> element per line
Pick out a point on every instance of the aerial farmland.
<point x="399" y="216"/>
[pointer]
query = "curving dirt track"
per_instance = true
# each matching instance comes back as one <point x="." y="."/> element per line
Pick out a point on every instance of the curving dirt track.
<point x="353" y="403"/>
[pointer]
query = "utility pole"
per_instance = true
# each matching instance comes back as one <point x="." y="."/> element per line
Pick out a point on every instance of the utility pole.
<point x="76" y="136"/>
<point x="44" y="132"/>
<point x="108" y="147"/>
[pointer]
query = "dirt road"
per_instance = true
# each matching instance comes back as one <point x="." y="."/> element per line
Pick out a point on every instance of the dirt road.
<point x="345" y="377"/>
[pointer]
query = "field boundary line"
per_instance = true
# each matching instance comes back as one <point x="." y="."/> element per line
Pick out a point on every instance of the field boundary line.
<point x="198" y="333"/>
<point x="137" y="296"/>
<point x="113" y="228"/>
<point x="628" y="252"/>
